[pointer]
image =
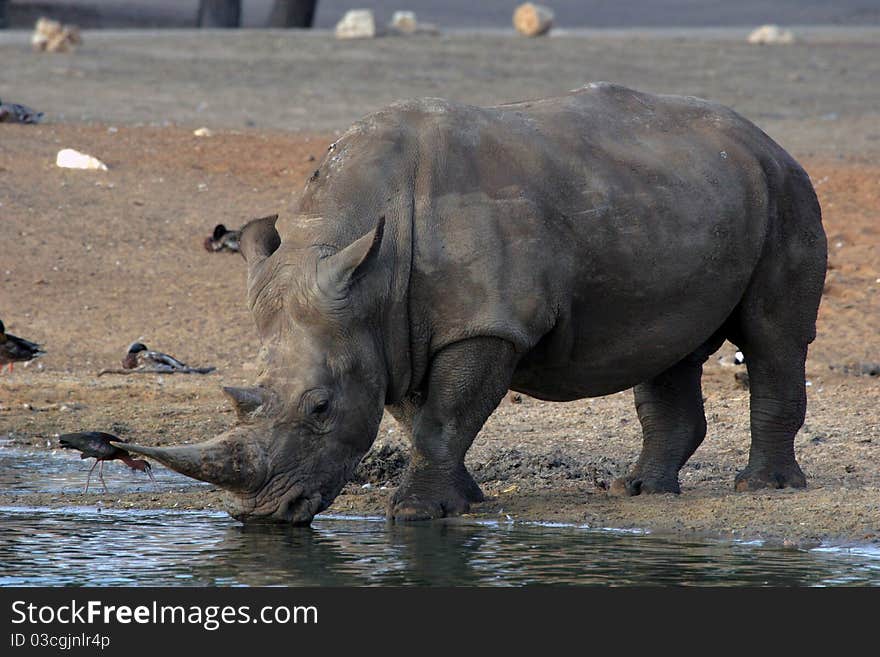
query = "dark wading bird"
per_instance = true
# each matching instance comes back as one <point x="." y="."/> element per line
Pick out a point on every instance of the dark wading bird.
<point x="96" y="445"/>
<point x="15" y="350"/>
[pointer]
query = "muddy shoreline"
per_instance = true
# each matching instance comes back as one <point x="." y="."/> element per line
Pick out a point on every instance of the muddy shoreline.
<point x="556" y="477"/>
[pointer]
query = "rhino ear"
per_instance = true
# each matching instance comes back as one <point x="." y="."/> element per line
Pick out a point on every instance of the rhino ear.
<point x="259" y="239"/>
<point x="340" y="270"/>
<point x="245" y="401"/>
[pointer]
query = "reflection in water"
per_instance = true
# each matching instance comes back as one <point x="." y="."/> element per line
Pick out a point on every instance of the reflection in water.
<point x="79" y="546"/>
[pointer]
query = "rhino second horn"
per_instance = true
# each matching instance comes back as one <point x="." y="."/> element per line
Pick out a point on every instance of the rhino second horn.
<point x="227" y="463"/>
<point x="245" y="400"/>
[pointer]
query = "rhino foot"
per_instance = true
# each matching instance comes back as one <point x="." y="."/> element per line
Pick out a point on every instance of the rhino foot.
<point x="636" y="484"/>
<point x="413" y="508"/>
<point x="422" y="497"/>
<point x="759" y="478"/>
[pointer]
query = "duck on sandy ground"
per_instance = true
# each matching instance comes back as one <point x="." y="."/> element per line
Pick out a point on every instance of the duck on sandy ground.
<point x="223" y="239"/>
<point x="16" y="350"/>
<point x="15" y="113"/>
<point x="139" y="355"/>
<point x="140" y="359"/>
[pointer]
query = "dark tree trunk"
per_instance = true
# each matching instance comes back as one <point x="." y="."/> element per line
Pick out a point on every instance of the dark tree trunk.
<point x="219" y="13"/>
<point x="293" y="13"/>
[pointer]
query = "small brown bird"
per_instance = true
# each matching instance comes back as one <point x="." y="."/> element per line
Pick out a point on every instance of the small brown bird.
<point x="96" y="445"/>
<point x="15" y="350"/>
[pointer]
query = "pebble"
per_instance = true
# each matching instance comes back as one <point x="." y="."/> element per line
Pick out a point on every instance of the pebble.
<point x="68" y="158"/>
<point x="770" y="34"/>
<point x="356" y="24"/>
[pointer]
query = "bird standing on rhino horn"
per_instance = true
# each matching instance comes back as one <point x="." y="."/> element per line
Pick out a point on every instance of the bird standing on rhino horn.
<point x="96" y="445"/>
<point x="16" y="350"/>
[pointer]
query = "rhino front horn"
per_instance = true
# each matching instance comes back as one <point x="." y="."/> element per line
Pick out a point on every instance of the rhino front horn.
<point x="228" y="463"/>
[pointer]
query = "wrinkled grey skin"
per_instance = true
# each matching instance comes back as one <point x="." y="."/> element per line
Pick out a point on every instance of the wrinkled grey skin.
<point x="565" y="248"/>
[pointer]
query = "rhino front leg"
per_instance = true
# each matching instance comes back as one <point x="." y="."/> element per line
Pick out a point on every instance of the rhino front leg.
<point x="466" y="382"/>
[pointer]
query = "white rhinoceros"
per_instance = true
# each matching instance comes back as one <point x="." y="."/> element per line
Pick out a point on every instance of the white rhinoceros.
<point x="567" y="247"/>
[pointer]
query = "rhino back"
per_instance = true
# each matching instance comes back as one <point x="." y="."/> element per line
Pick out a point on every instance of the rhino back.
<point x="606" y="233"/>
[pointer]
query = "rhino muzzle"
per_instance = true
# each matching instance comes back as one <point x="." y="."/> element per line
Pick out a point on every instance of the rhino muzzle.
<point x="240" y="469"/>
<point x="296" y="506"/>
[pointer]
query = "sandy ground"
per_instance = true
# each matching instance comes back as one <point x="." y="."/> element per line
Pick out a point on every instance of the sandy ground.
<point x="91" y="261"/>
<point x="817" y="97"/>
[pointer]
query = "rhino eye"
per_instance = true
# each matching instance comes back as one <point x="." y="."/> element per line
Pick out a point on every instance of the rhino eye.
<point x="315" y="404"/>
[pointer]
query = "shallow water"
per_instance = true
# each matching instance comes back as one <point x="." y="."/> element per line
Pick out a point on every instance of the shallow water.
<point x="88" y="546"/>
<point x="83" y="546"/>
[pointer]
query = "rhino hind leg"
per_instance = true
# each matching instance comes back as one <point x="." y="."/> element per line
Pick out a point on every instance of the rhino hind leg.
<point x="670" y="409"/>
<point x="778" y="407"/>
<point x="775" y="350"/>
<point x="773" y="326"/>
<point x="775" y="354"/>
<point x="466" y="382"/>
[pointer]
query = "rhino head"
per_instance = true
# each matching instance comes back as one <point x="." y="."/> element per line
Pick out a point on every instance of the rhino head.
<point x="319" y="398"/>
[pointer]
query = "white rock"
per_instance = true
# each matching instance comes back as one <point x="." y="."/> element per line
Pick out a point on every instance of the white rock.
<point x="532" y="20"/>
<point x="52" y="36"/>
<point x="771" y="34"/>
<point x="42" y="30"/>
<point x="406" y="23"/>
<point x="356" y="24"/>
<point x="69" y="158"/>
<point x="203" y="132"/>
